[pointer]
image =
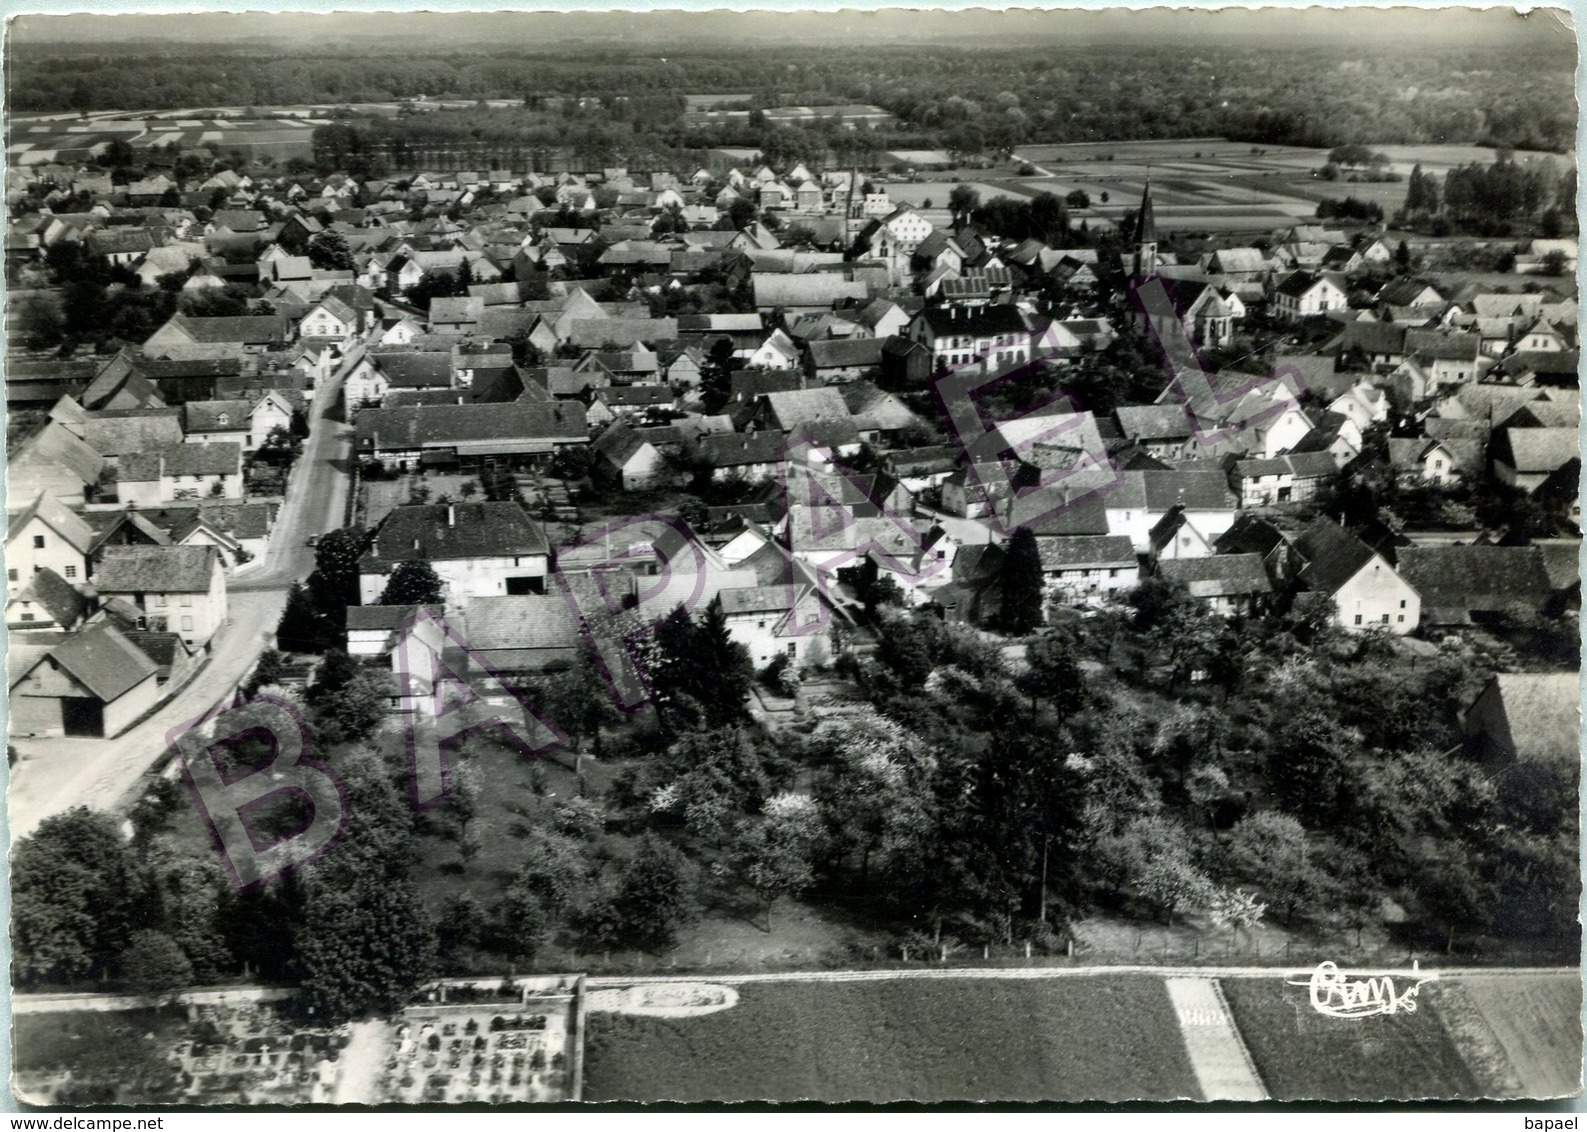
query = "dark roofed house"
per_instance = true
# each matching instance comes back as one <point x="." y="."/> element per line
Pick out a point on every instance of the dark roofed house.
<point x="1088" y="566"/>
<point x="1366" y="591"/>
<point x="48" y="601"/>
<point x="1460" y="582"/>
<point x="753" y="456"/>
<point x="843" y="359"/>
<point x="1283" y="479"/>
<point x="95" y="684"/>
<point x="1526" y="457"/>
<point x="478" y="549"/>
<point x="1229" y="584"/>
<point x="523" y="432"/>
<point x="245" y="333"/>
<point x="177" y="589"/>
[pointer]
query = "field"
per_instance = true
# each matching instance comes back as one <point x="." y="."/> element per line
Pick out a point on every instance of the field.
<point x="112" y="1058"/>
<point x="1212" y="184"/>
<point x="1101" y="1039"/>
<point x="1536" y="1023"/>
<point x="36" y="140"/>
<point x="1303" y="1055"/>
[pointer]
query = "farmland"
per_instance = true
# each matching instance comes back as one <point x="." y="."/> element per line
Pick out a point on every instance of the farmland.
<point x="1303" y="1055"/>
<point x="933" y="1040"/>
<point x="36" y="140"/>
<point x="1536" y="1022"/>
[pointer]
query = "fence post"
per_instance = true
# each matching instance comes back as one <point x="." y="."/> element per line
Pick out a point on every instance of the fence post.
<point x="1027" y="949"/>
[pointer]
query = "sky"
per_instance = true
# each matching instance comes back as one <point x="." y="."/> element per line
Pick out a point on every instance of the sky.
<point x="460" y="28"/>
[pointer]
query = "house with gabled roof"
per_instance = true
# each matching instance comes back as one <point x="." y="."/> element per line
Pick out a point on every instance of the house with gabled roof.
<point x="92" y="684"/>
<point x="463" y="436"/>
<point x="244" y="333"/>
<point x="47" y="603"/>
<point x="45" y="535"/>
<point x="115" y="432"/>
<point x="176" y="589"/>
<point x="479" y="549"/>
<point x="1419" y="460"/>
<point x="1306" y="294"/>
<point x="1459" y="584"/>
<point x="1081" y="567"/>
<point x="1525" y="457"/>
<point x="1365" y="590"/>
<point x="627" y="458"/>
<point x="1290" y="478"/>
<point x="1231" y="585"/>
<point x="330" y="318"/>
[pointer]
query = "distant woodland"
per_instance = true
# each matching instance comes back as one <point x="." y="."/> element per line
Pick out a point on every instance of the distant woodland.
<point x="1000" y="97"/>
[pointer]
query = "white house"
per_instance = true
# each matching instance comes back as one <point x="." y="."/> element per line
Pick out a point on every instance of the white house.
<point x="177" y="589"/>
<point x="1365" y="590"/>
<point x="477" y="549"/>
<point x="1304" y="294"/>
<point x="45" y="535"/>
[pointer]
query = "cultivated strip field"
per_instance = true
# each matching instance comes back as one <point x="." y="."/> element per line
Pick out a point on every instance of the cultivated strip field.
<point x="1109" y="1038"/>
<point x="1303" y="1055"/>
<point x="1536" y="1022"/>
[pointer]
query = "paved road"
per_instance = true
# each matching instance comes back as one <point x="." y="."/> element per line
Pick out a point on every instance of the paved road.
<point x="57" y="774"/>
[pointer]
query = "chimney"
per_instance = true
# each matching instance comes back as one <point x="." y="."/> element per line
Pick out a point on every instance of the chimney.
<point x="451" y="515"/>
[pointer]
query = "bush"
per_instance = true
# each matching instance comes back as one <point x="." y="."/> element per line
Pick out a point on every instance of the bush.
<point x="780" y="675"/>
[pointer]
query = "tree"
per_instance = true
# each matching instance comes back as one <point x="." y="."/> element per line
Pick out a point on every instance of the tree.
<point x="154" y="966"/>
<point x="354" y="711"/>
<point x="366" y="943"/>
<point x="334" y="583"/>
<point x="877" y="794"/>
<point x="462" y="798"/>
<point x="1053" y="673"/>
<point x="1271" y="851"/>
<point x="1022" y="584"/>
<point x="1154" y="853"/>
<point x="329" y="250"/>
<point x="962" y="201"/>
<point x="303" y="627"/>
<point x="413" y="582"/>
<point x="776" y="853"/>
<point x="699" y="663"/>
<point x="75" y="896"/>
<point x="716" y="374"/>
<point x="654" y="896"/>
<point x="579" y="700"/>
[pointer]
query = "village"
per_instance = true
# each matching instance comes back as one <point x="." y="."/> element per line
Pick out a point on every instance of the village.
<point x="153" y="479"/>
<point x="860" y="566"/>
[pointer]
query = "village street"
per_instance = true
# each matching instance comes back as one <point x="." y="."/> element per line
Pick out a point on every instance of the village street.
<point x="53" y="775"/>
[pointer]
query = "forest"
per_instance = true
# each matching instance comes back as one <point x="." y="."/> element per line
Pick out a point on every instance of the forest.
<point x="1001" y="97"/>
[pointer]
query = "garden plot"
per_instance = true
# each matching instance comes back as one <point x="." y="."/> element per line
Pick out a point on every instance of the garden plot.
<point x="1090" y="1039"/>
<point x="496" y="1053"/>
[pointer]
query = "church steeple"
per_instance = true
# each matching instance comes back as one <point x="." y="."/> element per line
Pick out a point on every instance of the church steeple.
<point x="1146" y="233"/>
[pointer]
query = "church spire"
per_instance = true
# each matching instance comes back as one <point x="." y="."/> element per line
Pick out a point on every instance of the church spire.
<point x="1146" y="232"/>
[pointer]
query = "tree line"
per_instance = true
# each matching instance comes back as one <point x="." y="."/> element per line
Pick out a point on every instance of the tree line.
<point x="1000" y="97"/>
